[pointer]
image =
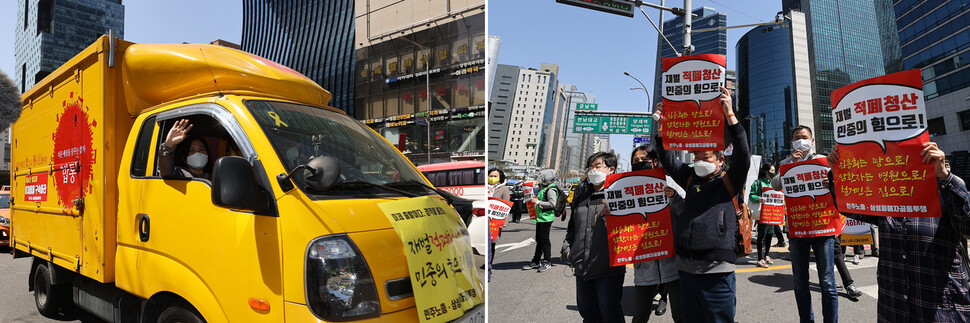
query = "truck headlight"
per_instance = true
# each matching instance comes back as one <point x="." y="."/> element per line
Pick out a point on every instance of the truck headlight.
<point x="4" y="221"/>
<point x="339" y="285"/>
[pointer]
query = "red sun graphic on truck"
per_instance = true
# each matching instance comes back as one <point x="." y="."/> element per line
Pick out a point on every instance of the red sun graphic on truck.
<point x="73" y="155"/>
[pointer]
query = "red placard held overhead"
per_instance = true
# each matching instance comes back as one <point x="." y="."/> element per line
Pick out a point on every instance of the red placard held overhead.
<point x="497" y="211"/>
<point x="692" y="115"/>
<point x="880" y="127"/>
<point x="638" y="224"/>
<point x="772" y="207"/>
<point x="811" y="212"/>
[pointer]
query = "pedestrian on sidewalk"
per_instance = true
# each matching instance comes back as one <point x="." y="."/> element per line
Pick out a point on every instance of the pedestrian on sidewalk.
<point x="704" y="238"/>
<point x="599" y="286"/>
<point x="656" y="276"/>
<point x="545" y="203"/>
<point x="923" y="273"/>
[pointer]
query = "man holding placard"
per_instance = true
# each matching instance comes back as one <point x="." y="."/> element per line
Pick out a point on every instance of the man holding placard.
<point x="704" y="235"/>
<point x="886" y="172"/>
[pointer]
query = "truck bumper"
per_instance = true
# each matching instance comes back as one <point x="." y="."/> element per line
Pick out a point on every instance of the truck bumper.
<point x="301" y="313"/>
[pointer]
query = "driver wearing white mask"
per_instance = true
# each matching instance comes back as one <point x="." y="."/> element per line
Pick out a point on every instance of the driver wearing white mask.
<point x="192" y="154"/>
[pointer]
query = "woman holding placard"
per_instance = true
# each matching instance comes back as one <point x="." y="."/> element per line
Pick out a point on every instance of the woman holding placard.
<point x="765" y="231"/>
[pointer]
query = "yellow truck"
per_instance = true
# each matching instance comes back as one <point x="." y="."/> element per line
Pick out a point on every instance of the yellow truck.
<point x="292" y="212"/>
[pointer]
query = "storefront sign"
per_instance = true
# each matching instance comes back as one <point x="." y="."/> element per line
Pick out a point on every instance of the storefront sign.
<point x="638" y="224"/>
<point x="811" y="212"/>
<point x="880" y="128"/>
<point x="693" y="118"/>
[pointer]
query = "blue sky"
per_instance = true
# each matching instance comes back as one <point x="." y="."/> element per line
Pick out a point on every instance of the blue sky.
<point x="150" y="22"/>
<point x="593" y="48"/>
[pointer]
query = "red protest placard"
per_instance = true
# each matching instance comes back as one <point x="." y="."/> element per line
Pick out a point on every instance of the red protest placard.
<point x="638" y="223"/>
<point x="811" y="212"/>
<point x="692" y="115"/>
<point x="532" y="210"/>
<point x="880" y="128"/>
<point x="35" y="188"/>
<point x="497" y="211"/>
<point x="772" y="207"/>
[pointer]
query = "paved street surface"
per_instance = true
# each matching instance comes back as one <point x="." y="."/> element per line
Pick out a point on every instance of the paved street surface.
<point x="17" y="304"/>
<point x="764" y="294"/>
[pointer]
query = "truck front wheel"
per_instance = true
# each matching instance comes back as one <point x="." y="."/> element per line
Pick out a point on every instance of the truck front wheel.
<point x="178" y="314"/>
<point x="48" y="297"/>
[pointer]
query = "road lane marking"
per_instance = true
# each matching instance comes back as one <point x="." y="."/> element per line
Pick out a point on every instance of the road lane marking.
<point x="517" y="245"/>
<point x="762" y="269"/>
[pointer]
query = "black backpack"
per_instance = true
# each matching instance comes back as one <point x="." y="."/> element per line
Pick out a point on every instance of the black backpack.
<point x="560" y="209"/>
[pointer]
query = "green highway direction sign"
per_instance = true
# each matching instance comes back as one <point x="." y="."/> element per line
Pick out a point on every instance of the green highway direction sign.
<point x="616" y="7"/>
<point x="624" y="125"/>
<point x="587" y="106"/>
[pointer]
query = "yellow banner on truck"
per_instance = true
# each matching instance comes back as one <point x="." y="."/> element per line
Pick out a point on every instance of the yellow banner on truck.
<point x="441" y="267"/>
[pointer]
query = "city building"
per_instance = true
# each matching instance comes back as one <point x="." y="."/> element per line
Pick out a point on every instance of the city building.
<point x="224" y="43"/>
<point x="526" y="123"/>
<point x="935" y="37"/>
<point x="576" y="146"/>
<point x="553" y="122"/>
<point x="709" y="42"/>
<point x="503" y="88"/>
<point x="313" y="37"/>
<point x="420" y="76"/>
<point x="774" y="86"/>
<point x="49" y="33"/>
<point x="843" y="49"/>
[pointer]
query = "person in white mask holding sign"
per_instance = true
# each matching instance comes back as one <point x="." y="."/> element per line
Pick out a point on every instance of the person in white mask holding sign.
<point x="704" y="234"/>
<point x="599" y="286"/>
<point x="192" y="159"/>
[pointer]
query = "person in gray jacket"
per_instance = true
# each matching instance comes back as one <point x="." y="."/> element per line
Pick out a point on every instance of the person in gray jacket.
<point x="599" y="286"/>
<point x="655" y="276"/>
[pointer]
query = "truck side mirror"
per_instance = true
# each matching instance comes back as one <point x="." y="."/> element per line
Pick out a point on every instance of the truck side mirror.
<point x="234" y="185"/>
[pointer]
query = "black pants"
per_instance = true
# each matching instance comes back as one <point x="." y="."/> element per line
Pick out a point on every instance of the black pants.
<point x="543" y="245"/>
<point x="516" y="211"/>
<point x="598" y="300"/>
<point x="840" y="263"/>
<point x="765" y="232"/>
<point x="780" y="233"/>
<point x="644" y="300"/>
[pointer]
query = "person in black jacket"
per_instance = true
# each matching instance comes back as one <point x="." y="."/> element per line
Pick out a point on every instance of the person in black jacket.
<point x="599" y="286"/>
<point x="704" y="232"/>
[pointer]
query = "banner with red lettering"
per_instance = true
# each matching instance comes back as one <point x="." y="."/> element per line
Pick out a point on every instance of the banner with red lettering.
<point x="638" y="224"/>
<point x="811" y="212"/>
<point x="772" y="207"/>
<point x="856" y="233"/>
<point x="880" y="128"/>
<point x="497" y="211"/>
<point x="531" y="206"/>
<point x="692" y="115"/>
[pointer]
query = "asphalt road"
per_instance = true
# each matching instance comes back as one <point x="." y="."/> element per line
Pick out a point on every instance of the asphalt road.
<point x="763" y="294"/>
<point x="17" y="304"/>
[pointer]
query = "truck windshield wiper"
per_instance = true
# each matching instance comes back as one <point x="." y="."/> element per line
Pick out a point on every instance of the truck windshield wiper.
<point x="384" y="187"/>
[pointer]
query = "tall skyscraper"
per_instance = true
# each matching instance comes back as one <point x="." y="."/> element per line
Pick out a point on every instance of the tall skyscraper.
<point x="774" y="85"/>
<point x="553" y="124"/>
<point x="844" y="49"/>
<point x="49" y="33"/>
<point x="710" y="42"/>
<point x="397" y="46"/>
<point x="313" y="37"/>
<point x="576" y="146"/>
<point x="935" y="37"/>
<point x="503" y="89"/>
<point x="526" y="120"/>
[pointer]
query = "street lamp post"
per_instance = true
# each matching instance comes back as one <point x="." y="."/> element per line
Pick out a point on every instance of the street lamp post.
<point x="644" y="88"/>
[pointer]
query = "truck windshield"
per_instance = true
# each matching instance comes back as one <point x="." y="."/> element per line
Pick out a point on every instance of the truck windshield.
<point x="299" y="133"/>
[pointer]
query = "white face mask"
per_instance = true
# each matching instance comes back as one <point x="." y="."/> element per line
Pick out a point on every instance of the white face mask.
<point x="802" y="144"/>
<point x="596" y="177"/>
<point x="197" y="160"/>
<point x="703" y="168"/>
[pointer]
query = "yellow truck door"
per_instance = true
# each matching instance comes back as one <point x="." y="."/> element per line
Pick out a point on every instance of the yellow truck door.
<point x="219" y="260"/>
